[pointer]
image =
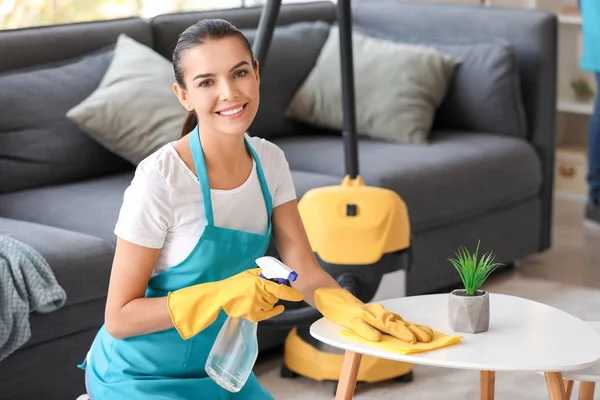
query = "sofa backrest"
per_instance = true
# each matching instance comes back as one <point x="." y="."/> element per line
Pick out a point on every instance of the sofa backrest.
<point x="167" y="27"/>
<point x="38" y="46"/>
<point x="43" y="73"/>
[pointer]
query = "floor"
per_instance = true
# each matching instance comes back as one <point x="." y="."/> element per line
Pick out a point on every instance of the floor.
<point x="566" y="277"/>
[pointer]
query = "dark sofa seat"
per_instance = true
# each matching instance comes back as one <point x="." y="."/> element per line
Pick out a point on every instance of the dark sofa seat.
<point x="81" y="264"/>
<point x="89" y="207"/>
<point x="438" y="182"/>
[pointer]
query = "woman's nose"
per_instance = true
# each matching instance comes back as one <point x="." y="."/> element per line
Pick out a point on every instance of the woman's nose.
<point x="228" y="91"/>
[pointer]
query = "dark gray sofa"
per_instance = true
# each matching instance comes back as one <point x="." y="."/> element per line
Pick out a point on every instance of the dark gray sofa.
<point x="60" y="191"/>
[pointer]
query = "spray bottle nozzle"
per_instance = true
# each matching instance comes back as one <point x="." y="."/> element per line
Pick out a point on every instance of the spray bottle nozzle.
<point x="276" y="271"/>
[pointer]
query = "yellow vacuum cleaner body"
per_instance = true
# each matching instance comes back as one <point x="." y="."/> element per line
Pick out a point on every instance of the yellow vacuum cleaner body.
<point x="358" y="234"/>
<point x="354" y="224"/>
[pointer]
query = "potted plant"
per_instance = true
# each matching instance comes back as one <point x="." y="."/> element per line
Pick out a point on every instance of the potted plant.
<point x="469" y="308"/>
<point x="582" y="89"/>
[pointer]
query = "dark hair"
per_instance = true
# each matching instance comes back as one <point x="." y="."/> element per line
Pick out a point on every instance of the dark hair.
<point x="198" y="34"/>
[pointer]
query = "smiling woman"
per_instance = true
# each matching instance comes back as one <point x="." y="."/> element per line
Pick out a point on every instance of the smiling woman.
<point x="197" y="215"/>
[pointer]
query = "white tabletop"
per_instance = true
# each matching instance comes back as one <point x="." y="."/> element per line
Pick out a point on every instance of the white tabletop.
<point x="523" y="336"/>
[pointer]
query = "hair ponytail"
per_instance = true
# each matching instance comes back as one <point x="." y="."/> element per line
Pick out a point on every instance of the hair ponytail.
<point x="190" y="123"/>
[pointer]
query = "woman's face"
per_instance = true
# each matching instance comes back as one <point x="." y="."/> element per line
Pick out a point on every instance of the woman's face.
<point x="221" y="85"/>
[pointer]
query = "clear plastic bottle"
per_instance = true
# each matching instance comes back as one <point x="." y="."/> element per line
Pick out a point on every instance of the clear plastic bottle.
<point x="235" y="351"/>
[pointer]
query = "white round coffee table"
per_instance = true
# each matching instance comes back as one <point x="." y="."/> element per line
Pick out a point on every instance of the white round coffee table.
<point x="523" y="336"/>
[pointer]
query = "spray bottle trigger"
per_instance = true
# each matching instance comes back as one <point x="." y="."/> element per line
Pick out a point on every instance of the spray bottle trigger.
<point x="281" y="281"/>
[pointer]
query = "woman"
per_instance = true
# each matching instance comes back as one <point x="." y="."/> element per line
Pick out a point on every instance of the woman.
<point x="197" y="214"/>
<point x="590" y="11"/>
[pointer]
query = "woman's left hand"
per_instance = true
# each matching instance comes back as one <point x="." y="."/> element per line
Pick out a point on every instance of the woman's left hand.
<point x="367" y="320"/>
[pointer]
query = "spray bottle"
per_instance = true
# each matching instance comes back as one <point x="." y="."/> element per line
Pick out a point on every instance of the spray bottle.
<point x="235" y="351"/>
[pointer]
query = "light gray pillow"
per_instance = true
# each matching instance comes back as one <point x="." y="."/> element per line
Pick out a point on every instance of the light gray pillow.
<point x="134" y="111"/>
<point x="485" y="92"/>
<point x="398" y="88"/>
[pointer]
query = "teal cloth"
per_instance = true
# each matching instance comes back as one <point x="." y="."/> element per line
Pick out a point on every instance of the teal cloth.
<point x="162" y="365"/>
<point x="27" y="285"/>
<point x="590" y="12"/>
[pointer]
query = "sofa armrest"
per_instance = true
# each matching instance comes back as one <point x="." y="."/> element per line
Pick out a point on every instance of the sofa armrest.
<point x="531" y="33"/>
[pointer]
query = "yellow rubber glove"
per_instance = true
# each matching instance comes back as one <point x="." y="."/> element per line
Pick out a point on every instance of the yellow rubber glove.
<point x="367" y="320"/>
<point x="245" y="295"/>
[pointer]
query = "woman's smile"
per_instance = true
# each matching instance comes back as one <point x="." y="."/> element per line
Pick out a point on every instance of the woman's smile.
<point x="233" y="112"/>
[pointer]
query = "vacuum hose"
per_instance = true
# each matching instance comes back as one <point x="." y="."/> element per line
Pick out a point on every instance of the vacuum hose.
<point x="264" y="34"/>
<point x="307" y="315"/>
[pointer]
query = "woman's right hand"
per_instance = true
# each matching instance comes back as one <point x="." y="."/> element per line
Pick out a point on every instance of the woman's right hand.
<point x="245" y="295"/>
<point x="254" y="298"/>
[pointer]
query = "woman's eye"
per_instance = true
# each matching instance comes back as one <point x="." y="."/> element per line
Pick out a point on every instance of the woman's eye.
<point x="205" y="83"/>
<point x="240" y="73"/>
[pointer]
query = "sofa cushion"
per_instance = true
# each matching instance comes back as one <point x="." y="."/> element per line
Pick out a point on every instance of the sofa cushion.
<point x="457" y="176"/>
<point x="38" y="145"/>
<point x="81" y="264"/>
<point x="90" y="207"/>
<point x="396" y="100"/>
<point x="134" y="111"/>
<point x="485" y="94"/>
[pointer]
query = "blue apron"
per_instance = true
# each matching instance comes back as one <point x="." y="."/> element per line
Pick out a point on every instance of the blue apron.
<point x="590" y="11"/>
<point x="162" y="365"/>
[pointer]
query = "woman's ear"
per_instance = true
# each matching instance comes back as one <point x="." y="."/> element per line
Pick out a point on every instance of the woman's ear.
<point x="182" y="97"/>
<point x="257" y="71"/>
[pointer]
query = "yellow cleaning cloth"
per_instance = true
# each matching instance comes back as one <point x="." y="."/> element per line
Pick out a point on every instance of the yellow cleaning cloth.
<point x="395" y="345"/>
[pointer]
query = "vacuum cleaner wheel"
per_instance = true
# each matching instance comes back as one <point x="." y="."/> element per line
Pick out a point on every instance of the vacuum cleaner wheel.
<point x="287" y="373"/>
<point x="406" y="378"/>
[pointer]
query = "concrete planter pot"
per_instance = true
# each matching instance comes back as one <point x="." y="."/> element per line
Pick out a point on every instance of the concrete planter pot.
<point x="469" y="314"/>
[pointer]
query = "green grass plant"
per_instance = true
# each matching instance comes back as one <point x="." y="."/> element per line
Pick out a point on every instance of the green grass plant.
<point x="473" y="270"/>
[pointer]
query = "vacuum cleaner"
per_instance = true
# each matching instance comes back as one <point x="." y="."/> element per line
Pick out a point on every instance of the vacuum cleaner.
<point x="357" y="232"/>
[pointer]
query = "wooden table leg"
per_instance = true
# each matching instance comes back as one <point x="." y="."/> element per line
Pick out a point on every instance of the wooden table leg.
<point x="347" y="382"/>
<point x="586" y="390"/>
<point x="568" y="389"/>
<point x="487" y="382"/>
<point x="556" y="387"/>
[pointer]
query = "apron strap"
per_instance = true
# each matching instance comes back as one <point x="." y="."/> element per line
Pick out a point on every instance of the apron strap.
<point x="202" y="174"/>
<point x="263" y="182"/>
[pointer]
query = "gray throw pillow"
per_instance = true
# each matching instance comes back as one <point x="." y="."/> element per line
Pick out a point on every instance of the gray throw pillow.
<point x="398" y="88"/>
<point x="134" y="111"/>
<point x="39" y="146"/>
<point x="485" y="94"/>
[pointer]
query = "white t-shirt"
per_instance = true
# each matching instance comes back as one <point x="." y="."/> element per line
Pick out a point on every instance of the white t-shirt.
<point x="163" y="207"/>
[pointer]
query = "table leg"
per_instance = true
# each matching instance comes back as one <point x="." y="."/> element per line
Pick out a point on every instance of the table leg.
<point x="555" y="384"/>
<point x="568" y="389"/>
<point x="487" y="382"/>
<point x="347" y="382"/>
<point x="586" y="390"/>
